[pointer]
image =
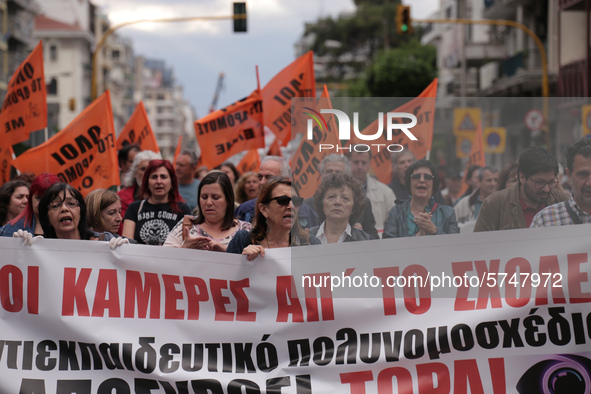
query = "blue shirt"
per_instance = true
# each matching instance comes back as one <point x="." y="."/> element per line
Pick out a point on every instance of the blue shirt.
<point x="189" y="193"/>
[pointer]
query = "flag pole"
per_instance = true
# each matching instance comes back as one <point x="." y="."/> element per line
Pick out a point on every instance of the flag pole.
<point x="263" y="113"/>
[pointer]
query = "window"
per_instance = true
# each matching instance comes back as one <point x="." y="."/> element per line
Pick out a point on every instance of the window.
<point x="116" y="54"/>
<point x="53" y="53"/>
<point x="52" y="86"/>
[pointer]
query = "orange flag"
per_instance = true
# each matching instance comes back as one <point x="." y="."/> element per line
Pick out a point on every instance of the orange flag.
<point x="6" y="157"/>
<point x="305" y="164"/>
<point x="83" y="154"/>
<point x="423" y="107"/>
<point x="250" y="162"/>
<point x="274" y="149"/>
<point x="227" y="131"/>
<point x="25" y="107"/>
<point x="138" y="131"/>
<point x="476" y="156"/>
<point x="177" y="152"/>
<point x="295" y="80"/>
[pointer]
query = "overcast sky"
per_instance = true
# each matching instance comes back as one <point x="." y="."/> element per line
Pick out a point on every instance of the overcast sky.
<point x="199" y="51"/>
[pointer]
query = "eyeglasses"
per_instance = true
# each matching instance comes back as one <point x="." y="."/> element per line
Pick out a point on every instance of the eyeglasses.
<point x="267" y="177"/>
<point x="427" y="177"/>
<point x="283" y="200"/>
<point x="69" y="203"/>
<point x="540" y="184"/>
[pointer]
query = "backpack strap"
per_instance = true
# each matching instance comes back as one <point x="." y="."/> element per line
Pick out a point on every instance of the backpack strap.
<point x="576" y="219"/>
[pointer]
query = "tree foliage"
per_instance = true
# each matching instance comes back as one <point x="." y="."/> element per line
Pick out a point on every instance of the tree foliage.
<point x="400" y="72"/>
<point x="365" y="45"/>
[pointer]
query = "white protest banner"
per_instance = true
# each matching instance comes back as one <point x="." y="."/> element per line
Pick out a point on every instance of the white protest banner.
<point x="76" y="317"/>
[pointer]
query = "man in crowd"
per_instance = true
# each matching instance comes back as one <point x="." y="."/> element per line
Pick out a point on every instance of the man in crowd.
<point x="400" y="162"/>
<point x="186" y="164"/>
<point x="453" y="183"/>
<point x="380" y="195"/>
<point x="125" y="157"/>
<point x="271" y="167"/>
<point x="467" y="209"/>
<point x="577" y="209"/>
<point x="516" y="206"/>
<point x="471" y="180"/>
<point x="329" y="165"/>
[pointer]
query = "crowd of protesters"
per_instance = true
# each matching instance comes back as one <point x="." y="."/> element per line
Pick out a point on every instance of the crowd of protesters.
<point x="221" y="210"/>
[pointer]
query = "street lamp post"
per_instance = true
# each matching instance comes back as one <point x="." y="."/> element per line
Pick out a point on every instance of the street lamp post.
<point x="112" y="29"/>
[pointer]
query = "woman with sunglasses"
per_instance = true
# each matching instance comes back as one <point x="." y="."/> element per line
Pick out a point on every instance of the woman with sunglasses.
<point x="214" y="226"/>
<point x="339" y="200"/>
<point x="420" y="214"/>
<point x="272" y="222"/>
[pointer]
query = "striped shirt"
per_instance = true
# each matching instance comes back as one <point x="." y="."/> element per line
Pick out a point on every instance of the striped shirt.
<point x="557" y="215"/>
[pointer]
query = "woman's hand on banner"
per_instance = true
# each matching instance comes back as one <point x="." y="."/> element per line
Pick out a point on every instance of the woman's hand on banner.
<point x="116" y="242"/>
<point x="27" y="237"/>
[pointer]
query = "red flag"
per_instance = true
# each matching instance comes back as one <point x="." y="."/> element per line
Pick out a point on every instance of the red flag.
<point x="250" y="162"/>
<point x="307" y="158"/>
<point x="138" y="131"/>
<point x="295" y="80"/>
<point x="25" y="107"/>
<point x="83" y="154"/>
<point x="6" y="157"/>
<point x="423" y="107"/>
<point x="177" y="152"/>
<point x="231" y="130"/>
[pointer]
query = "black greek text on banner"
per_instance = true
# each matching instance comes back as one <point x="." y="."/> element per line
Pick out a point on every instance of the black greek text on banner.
<point x="499" y="312"/>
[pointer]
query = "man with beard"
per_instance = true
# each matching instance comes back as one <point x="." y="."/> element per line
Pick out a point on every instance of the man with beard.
<point x="577" y="209"/>
<point x="516" y="206"/>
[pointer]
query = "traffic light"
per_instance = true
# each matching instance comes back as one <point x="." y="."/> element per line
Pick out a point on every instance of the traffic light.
<point x="403" y="20"/>
<point x="240" y="10"/>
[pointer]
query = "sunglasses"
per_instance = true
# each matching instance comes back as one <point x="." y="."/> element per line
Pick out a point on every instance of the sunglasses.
<point x="427" y="177"/>
<point x="285" y="200"/>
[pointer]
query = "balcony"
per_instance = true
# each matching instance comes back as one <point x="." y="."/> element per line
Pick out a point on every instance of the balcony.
<point x="573" y="79"/>
<point x="20" y="29"/>
<point x="478" y="54"/>
<point x="571" y="5"/>
<point x="14" y="60"/>
<point x="501" y="9"/>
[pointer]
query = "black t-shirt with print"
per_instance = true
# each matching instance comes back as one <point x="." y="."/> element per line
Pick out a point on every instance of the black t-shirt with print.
<point x="154" y="221"/>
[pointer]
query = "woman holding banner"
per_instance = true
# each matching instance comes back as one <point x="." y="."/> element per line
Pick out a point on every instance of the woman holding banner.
<point x="149" y="221"/>
<point x="421" y="215"/>
<point x="273" y="226"/>
<point x="62" y="213"/>
<point x="339" y="200"/>
<point x="214" y="226"/>
<point x="29" y="218"/>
